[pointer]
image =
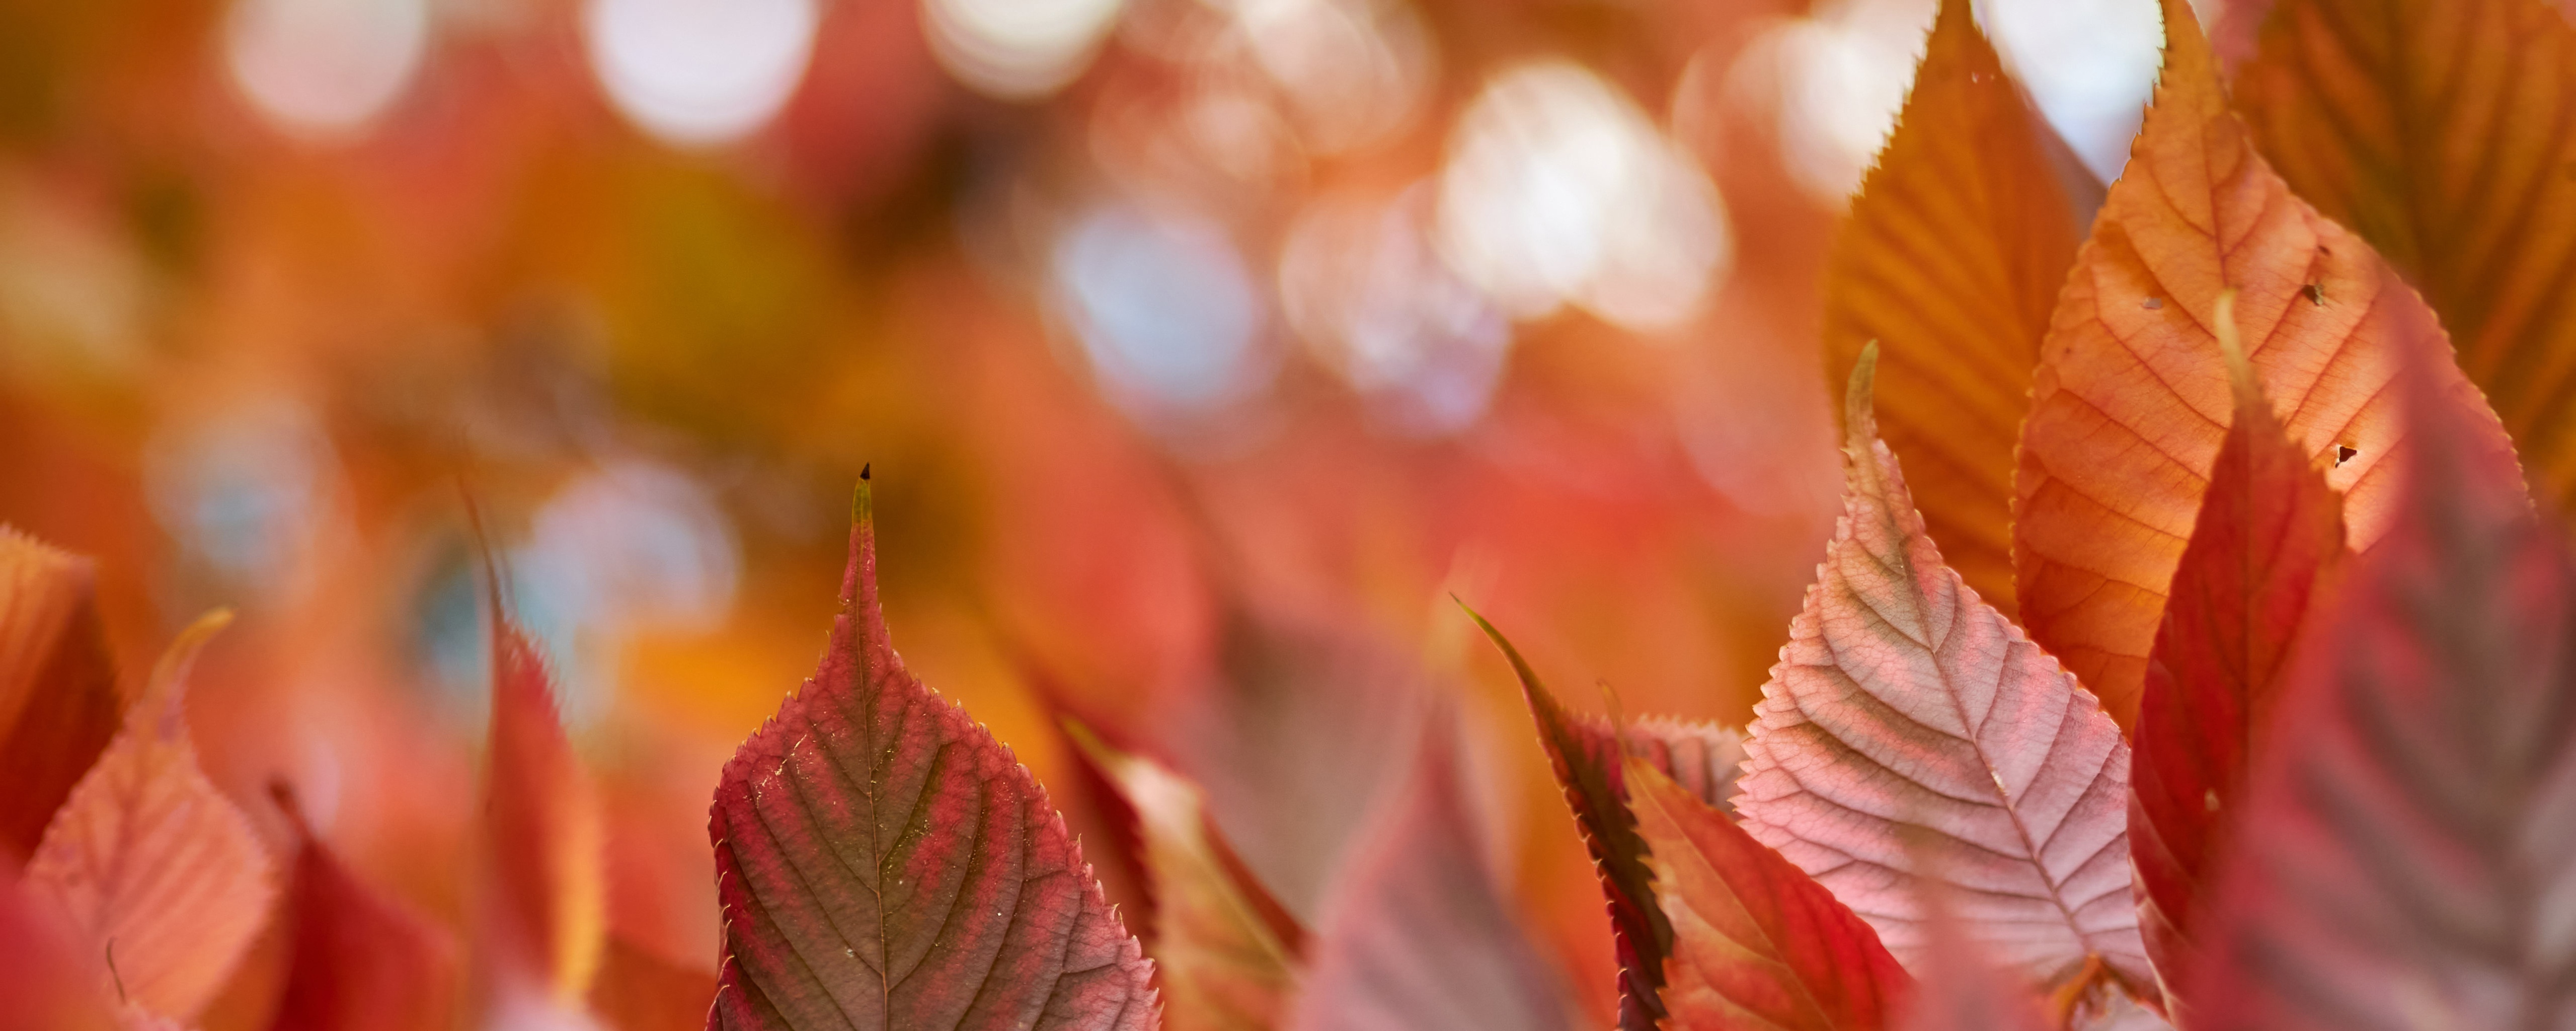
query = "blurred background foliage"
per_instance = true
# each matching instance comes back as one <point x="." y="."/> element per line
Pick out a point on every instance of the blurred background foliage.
<point x="1187" y="338"/>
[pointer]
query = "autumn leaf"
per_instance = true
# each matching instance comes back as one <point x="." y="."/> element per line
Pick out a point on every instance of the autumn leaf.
<point x="1950" y="261"/>
<point x="637" y="990"/>
<point x="883" y="862"/>
<point x="58" y="700"/>
<point x="2130" y="401"/>
<point x="545" y="891"/>
<point x="1903" y="701"/>
<point x="1418" y="935"/>
<point x="2438" y="130"/>
<point x="1587" y="754"/>
<point x="2408" y="844"/>
<point x="1962" y="990"/>
<point x="361" y="961"/>
<point x="160" y="875"/>
<point x="1756" y="943"/>
<point x="45" y="981"/>
<point x="2263" y="554"/>
<point x="1227" y="953"/>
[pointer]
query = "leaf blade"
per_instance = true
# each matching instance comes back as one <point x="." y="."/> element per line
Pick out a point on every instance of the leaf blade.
<point x="543" y="921"/>
<point x="2128" y="406"/>
<point x="59" y="705"/>
<point x="1901" y="701"/>
<point x="1951" y="261"/>
<point x="148" y="855"/>
<point x="2439" y="132"/>
<point x="361" y="961"/>
<point x="1757" y="943"/>
<point x="795" y="834"/>
<point x="2264" y="552"/>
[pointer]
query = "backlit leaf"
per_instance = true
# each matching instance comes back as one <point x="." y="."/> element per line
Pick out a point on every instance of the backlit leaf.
<point x="546" y="891"/>
<point x="2130" y="401"/>
<point x="1418" y="935"/>
<point x="1586" y="754"/>
<point x="362" y="961"/>
<point x="1951" y="261"/>
<point x="884" y="863"/>
<point x="2439" y="130"/>
<point x="1901" y="701"/>
<point x="1757" y="944"/>
<point x="1218" y="943"/>
<point x="2408" y="844"/>
<point x="2263" y="551"/>
<point x="58" y="700"/>
<point x="149" y="859"/>
<point x="47" y="981"/>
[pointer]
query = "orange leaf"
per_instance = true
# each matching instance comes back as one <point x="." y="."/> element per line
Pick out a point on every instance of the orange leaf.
<point x="1756" y="943"/>
<point x="2130" y="401"/>
<point x="1950" y="261"/>
<point x="639" y="991"/>
<point x="1905" y="716"/>
<point x="543" y="917"/>
<point x="362" y="962"/>
<point x="58" y="700"/>
<point x="2263" y="553"/>
<point x="2439" y="130"/>
<point x="151" y="862"/>
<point x="1218" y="943"/>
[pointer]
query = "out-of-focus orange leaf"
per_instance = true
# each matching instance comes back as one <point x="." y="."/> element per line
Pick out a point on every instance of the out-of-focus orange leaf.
<point x="2408" y="842"/>
<point x="1756" y="943"/>
<point x="1951" y="261"/>
<point x="1962" y="989"/>
<point x="1227" y="954"/>
<point x="362" y="962"/>
<point x="884" y="863"/>
<point x="43" y="978"/>
<point x="2439" y="130"/>
<point x="1904" y="708"/>
<point x="58" y="700"/>
<point x="639" y="991"/>
<point x="2130" y="401"/>
<point x="1417" y="935"/>
<point x="1589" y="755"/>
<point x="2263" y="553"/>
<point x="159" y="872"/>
<point x="544" y="909"/>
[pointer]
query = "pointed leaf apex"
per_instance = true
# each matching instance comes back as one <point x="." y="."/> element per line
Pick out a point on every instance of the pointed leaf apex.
<point x="170" y="675"/>
<point x="1860" y="421"/>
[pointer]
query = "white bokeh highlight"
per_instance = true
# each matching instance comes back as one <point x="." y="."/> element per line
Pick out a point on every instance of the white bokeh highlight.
<point x="1165" y="309"/>
<point x="324" y="68"/>
<point x="1016" y="49"/>
<point x="1362" y="285"/>
<point x="1558" y="189"/>
<point x="698" y="73"/>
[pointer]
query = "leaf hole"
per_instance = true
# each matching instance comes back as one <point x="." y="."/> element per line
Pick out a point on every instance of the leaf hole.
<point x="2344" y="453"/>
<point x="2316" y="294"/>
<point x="2152" y="303"/>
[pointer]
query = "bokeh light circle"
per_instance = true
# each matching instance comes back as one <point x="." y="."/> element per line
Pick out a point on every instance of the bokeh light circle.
<point x="1017" y="49"/>
<point x="324" y="67"/>
<point x="699" y="72"/>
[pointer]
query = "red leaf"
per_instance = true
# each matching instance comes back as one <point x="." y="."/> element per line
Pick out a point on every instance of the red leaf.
<point x="1416" y="935"/>
<point x="1757" y="944"/>
<point x="148" y="857"/>
<point x="362" y="962"/>
<point x="58" y="700"/>
<point x="2408" y="845"/>
<point x="884" y="863"/>
<point x="546" y="894"/>
<point x="1903" y="701"/>
<point x="2263" y="552"/>
<point x="1585" y="751"/>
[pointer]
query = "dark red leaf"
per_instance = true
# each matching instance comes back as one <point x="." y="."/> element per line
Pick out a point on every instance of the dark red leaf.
<point x="884" y="863"/>
<point x="546" y="897"/>
<point x="58" y="700"/>
<point x="362" y="962"/>
<point x="2408" y="845"/>
<point x="2263" y="553"/>
<point x="1585" y="752"/>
